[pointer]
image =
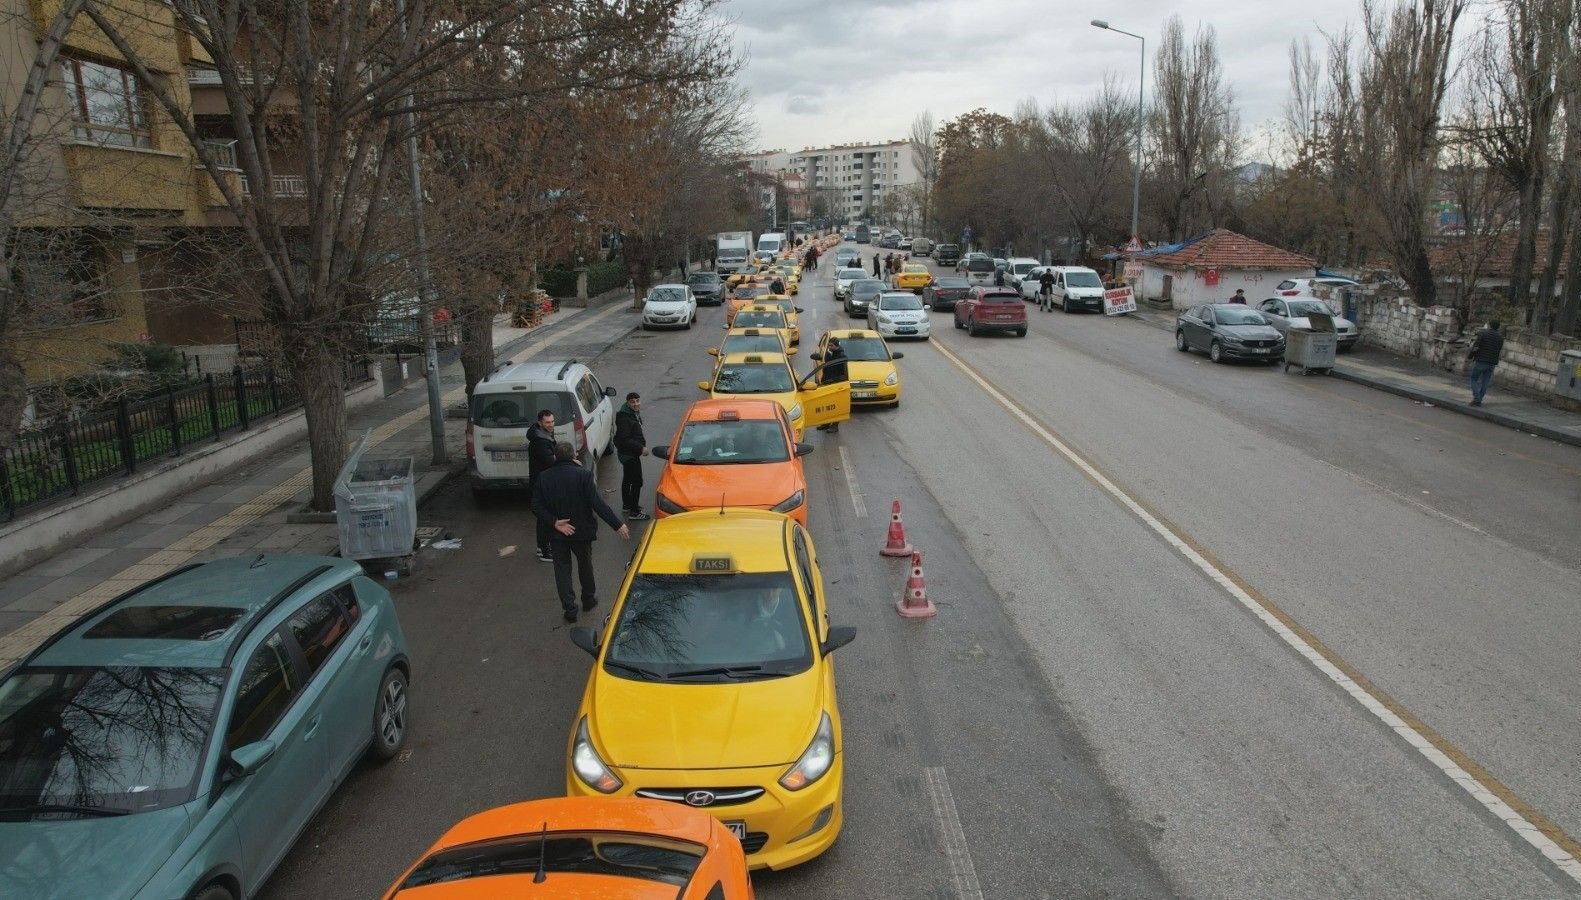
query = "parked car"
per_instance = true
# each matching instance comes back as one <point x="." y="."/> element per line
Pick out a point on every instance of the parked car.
<point x="964" y="261"/>
<point x="669" y="306"/>
<point x="505" y="403"/>
<point x="947" y="254"/>
<point x="911" y="277"/>
<point x="1017" y="269"/>
<point x="904" y="244"/>
<point x="1229" y="331"/>
<point x="921" y="247"/>
<point x="175" y="741"/>
<point x="980" y="270"/>
<point x="1301" y="287"/>
<point x="861" y="295"/>
<point x="707" y="288"/>
<point x="1285" y="313"/>
<point x="1031" y="282"/>
<point x="847" y="256"/>
<point x="898" y="314"/>
<point x="992" y="309"/>
<point x="1077" y="287"/>
<point x="843" y="279"/>
<point x="945" y="292"/>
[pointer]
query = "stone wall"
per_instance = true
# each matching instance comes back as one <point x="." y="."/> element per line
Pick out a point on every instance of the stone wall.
<point x="1392" y="322"/>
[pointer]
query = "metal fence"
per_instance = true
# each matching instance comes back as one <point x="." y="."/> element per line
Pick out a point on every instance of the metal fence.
<point x="59" y="459"/>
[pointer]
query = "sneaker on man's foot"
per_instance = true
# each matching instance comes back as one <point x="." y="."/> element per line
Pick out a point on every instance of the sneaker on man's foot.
<point x="589" y="603"/>
<point x="570" y="615"/>
<point x="544" y="557"/>
<point x="637" y="515"/>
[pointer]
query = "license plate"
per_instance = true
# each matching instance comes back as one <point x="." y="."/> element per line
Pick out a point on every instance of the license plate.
<point x="508" y="455"/>
<point x="1260" y="350"/>
<point x="737" y="828"/>
<point x="864" y="395"/>
<point x="905" y="331"/>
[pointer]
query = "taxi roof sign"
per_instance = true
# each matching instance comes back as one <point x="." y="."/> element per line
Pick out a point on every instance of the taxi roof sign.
<point x="713" y="564"/>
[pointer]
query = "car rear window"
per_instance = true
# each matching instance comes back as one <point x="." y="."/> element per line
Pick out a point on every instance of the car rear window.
<point x="518" y="409"/>
<point x="611" y="854"/>
<point x="980" y="265"/>
<point x="177" y="623"/>
<point x="948" y="248"/>
<point x="1002" y="297"/>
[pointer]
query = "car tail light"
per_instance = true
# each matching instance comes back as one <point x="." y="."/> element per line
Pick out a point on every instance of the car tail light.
<point x="1289" y="293"/>
<point x="471" y="452"/>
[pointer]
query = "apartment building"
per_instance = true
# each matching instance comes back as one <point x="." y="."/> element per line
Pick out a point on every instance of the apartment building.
<point x="110" y="184"/>
<point x="854" y="177"/>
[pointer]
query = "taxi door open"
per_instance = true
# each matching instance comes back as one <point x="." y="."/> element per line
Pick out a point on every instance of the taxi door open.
<point x="824" y="404"/>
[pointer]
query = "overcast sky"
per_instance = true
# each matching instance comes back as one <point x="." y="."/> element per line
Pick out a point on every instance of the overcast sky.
<point x="844" y="71"/>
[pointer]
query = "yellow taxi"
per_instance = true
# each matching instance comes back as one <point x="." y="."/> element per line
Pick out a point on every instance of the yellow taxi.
<point x="870" y="366"/>
<point x="713" y="684"/>
<point x="911" y="277"/>
<point x="768" y="376"/>
<point x="737" y="453"/>
<point x="787" y="306"/>
<point x="751" y="340"/>
<point x="758" y="293"/>
<point x="787" y="272"/>
<point x="762" y="317"/>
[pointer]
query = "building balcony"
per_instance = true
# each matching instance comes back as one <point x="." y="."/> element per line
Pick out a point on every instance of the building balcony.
<point x="105" y="176"/>
<point x="290" y="186"/>
<point x="155" y="36"/>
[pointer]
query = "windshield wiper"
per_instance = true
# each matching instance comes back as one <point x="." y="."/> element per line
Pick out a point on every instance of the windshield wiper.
<point x="728" y="671"/>
<point x="63" y="808"/>
<point x="635" y="670"/>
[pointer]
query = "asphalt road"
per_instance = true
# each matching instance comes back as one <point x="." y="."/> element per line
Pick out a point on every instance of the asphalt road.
<point x="1096" y="709"/>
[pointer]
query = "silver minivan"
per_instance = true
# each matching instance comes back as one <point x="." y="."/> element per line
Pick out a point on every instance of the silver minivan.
<point x="507" y="402"/>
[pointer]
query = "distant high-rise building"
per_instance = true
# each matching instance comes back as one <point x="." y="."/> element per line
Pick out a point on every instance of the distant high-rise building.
<point x="853" y="177"/>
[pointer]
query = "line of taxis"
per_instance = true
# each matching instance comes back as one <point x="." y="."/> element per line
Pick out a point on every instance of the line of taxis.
<point x="707" y="741"/>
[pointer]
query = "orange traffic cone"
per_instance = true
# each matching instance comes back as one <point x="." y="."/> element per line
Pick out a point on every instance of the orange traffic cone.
<point x="897" y="545"/>
<point x="914" y="603"/>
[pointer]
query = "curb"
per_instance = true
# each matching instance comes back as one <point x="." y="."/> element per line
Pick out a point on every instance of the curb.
<point x="1553" y="434"/>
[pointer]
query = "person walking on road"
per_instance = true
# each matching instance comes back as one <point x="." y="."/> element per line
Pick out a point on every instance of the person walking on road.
<point x="568" y="496"/>
<point x="1046" y="290"/>
<point x="835" y="370"/>
<point x="875" y="265"/>
<point x="631" y="445"/>
<point x="1486" y="347"/>
<point x="540" y="456"/>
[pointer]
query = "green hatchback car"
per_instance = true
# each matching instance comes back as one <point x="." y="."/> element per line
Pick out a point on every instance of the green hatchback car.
<point x="173" y="743"/>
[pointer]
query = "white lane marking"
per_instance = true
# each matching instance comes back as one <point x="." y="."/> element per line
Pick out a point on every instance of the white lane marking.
<point x="1479" y="791"/>
<point x="857" y="505"/>
<point x="962" y="872"/>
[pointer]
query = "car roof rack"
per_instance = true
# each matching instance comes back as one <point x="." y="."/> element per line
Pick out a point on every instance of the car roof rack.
<point x="565" y="368"/>
<point x="264" y="611"/>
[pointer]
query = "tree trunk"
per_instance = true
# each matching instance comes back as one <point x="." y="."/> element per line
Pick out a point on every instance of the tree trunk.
<point x="319" y="375"/>
<point x="1570" y="310"/>
<point x="477" y="343"/>
<point x="1558" y="235"/>
<point x="1529" y="215"/>
<point x="1417" y="270"/>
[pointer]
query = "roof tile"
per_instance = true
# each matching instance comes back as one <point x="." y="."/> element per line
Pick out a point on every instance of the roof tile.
<point x="1224" y="249"/>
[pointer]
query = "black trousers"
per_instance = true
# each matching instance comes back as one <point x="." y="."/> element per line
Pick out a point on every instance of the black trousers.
<point x="543" y="531"/>
<point x="561" y="552"/>
<point x="630" y="483"/>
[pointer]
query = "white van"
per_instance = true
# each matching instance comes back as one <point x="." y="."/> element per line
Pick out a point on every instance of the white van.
<point x="773" y="242"/>
<point x="1077" y="287"/>
<point x="507" y="401"/>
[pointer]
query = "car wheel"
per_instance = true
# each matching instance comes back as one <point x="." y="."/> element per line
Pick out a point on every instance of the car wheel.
<point x="957" y="321"/>
<point x="1215" y="353"/>
<point x="1180" y="341"/>
<point x="389" y="715"/>
<point x="214" y="892"/>
<point x="1065" y="305"/>
<point x="971" y="328"/>
<point x="1021" y="332"/>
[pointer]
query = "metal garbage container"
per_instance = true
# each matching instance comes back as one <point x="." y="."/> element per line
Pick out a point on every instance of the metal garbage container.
<point x="1568" y="384"/>
<point x="376" y="508"/>
<point x="1312" y="349"/>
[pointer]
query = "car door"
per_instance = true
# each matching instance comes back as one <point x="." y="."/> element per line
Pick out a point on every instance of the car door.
<point x="1191" y="325"/>
<point x="825" y="404"/>
<point x="1274" y="311"/>
<point x="271" y="806"/>
<point x="333" y="648"/>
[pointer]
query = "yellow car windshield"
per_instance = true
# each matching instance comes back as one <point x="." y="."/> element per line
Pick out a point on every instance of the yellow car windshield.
<point x="753" y="378"/>
<point x="709" y="629"/>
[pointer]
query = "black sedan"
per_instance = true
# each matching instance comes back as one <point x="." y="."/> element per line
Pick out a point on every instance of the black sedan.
<point x="861" y="296"/>
<point x="707" y="287"/>
<point x="945" y="292"/>
<point x="1229" y="331"/>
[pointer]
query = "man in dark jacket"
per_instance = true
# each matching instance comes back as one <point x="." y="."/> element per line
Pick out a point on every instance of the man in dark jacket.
<point x="1486" y="348"/>
<point x="631" y="445"/>
<point x="875" y="265"/>
<point x="834" y="371"/>
<point x="568" y="496"/>
<point x="1046" y="290"/>
<point x="540" y="456"/>
<point x="777" y="286"/>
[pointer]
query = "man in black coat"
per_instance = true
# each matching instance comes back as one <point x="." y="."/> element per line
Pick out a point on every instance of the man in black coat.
<point x="568" y="496"/>
<point x="834" y="371"/>
<point x="631" y="445"/>
<point x="540" y="456"/>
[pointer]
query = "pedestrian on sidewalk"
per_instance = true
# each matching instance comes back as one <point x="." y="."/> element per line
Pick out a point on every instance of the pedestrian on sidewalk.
<point x="1046" y="290"/>
<point x="567" y="495"/>
<point x="683" y="270"/>
<point x="713" y="259"/>
<point x="540" y="456"/>
<point x="834" y="371"/>
<point x="631" y="445"/>
<point x="1486" y="348"/>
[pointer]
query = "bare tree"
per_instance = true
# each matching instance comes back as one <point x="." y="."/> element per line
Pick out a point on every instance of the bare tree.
<point x="1402" y="80"/>
<point x="1086" y="152"/>
<point x="925" y="156"/>
<point x="1192" y="122"/>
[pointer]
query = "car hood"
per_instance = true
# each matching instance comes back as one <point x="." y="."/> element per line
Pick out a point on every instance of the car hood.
<point x="1251" y="332"/>
<point x="1084" y="292"/>
<point x="902" y="315"/>
<point x="68" y="858"/>
<point x="1340" y="323"/>
<point x="667" y="307"/>
<point x="697" y="486"/>
<point x="643" y="725"/>
<point x="869" y="370"/>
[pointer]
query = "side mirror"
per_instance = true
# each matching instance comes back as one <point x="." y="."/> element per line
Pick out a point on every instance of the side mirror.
<point x="800" y="310"/>
<point x="897" y="356"/>
<point x="586" y="639"/>
<point x="817" y="356"/>
<point x="839" y="636"/>
<point x="702" y="385"/>
<point x="249" y="758"/>
<point x="803" y="449"/>
<point x="660" y="452"/>
<point x="713" y="351"/>
<point x="609" y="392"/>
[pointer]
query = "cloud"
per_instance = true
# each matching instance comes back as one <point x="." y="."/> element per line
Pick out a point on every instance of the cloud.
<point x="802" y="105"/>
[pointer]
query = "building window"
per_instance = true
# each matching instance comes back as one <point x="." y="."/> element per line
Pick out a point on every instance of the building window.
<point x="106" y="105"/>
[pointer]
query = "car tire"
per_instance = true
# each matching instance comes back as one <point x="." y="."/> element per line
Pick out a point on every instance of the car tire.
<point x="1215" y="352"/>
<point x="1021" y="332"/>
<point x="971" y="328"/>
<point x="1180" y="341"/>
<point x="1065" y="305"/>
<point x="214" y="891"/>
<point x="957" y="321"/>
<point x="389" y="715"/>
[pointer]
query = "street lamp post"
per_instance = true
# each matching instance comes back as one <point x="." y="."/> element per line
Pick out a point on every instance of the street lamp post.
<point x="1141" y="87"/>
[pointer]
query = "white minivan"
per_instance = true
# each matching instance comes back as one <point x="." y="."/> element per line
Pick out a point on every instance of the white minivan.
<point x="773" y="242"/>
<point x="1077" y="287"/>
<point x="507" y="401"/>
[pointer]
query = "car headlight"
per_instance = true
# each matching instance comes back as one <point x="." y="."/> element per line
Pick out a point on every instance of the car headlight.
<point x="795" y="412"/>
<point x="892" y="379"/>
<point x="791" y="502"/>
<point x="666" y="504"/>
<point x="588" y="767"/>
<point x="815" y="761"/>
<point x="885" y="319"/>
<point x="1231" y="339"/>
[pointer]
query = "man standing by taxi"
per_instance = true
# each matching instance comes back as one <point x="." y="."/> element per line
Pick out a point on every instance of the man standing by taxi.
<point x="834" y="371"/>
<point x="631" y="445"/>
<point x="540" y="456"/>
<point x="567" y="496"/>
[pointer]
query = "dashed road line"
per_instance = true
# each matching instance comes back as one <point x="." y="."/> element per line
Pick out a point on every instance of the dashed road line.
<point x="1521" y="817"/>
<point x="857" y="506"/>
<point x="953" y="837"/>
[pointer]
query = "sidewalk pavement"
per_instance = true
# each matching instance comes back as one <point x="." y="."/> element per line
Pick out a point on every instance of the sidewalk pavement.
<point x="248" y="510"/>
<point x="1426" y="383"/>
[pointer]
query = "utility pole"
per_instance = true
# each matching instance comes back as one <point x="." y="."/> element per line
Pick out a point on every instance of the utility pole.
<point x="425" y="286"/>
<point x="1141" y="88"/>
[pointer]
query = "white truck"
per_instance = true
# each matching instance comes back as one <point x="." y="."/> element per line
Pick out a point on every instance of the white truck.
<point x="732" y="250"/>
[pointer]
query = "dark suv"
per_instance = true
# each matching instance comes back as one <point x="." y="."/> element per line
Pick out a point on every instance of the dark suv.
<point x="947" y="254"/>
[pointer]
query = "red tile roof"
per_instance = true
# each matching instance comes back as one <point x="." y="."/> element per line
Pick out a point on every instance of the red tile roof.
<point x="1224" y="249"/>
<point x="1449" y="257"/>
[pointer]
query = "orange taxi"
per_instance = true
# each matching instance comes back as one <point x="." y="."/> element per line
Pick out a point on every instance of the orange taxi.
<point x="733" y="453"/>
<point x="580" y="847"/>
